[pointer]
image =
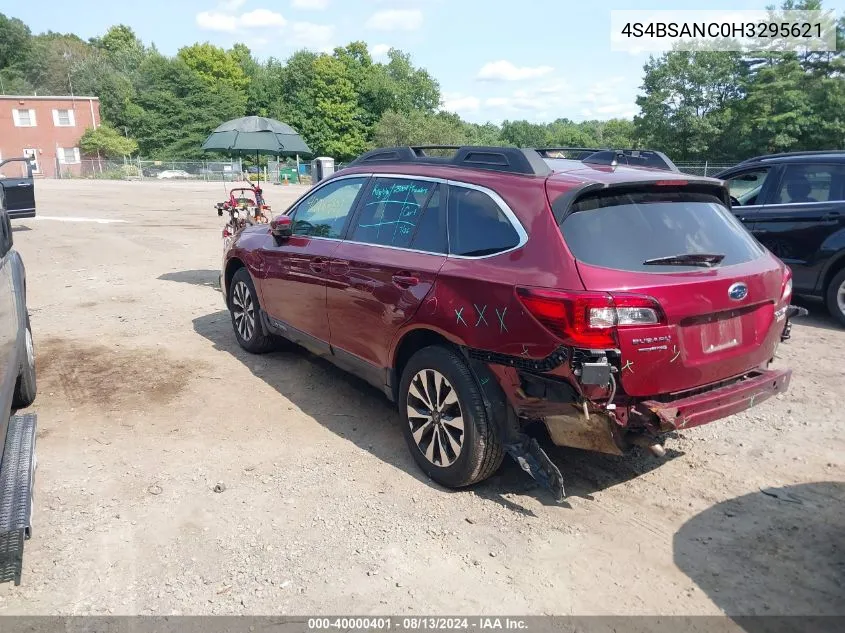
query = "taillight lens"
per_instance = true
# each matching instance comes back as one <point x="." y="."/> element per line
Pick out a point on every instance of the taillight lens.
<point x="786" y="293"/>
<point x="589" y="319"/>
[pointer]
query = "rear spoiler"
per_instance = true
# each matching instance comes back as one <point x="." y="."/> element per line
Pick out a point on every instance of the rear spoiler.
<point x="633" y="157"/>
<point x="562" y="205"/>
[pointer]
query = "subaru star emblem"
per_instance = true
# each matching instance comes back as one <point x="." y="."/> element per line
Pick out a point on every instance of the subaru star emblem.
<point x="738" y="291"/>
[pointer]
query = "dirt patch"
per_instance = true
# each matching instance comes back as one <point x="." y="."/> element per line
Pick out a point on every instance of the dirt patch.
<point x="103" y="376"/>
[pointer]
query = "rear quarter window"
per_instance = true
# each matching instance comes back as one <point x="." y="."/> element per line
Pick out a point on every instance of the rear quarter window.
<point x="477" y="224"/>
<point x="623" y="231"/>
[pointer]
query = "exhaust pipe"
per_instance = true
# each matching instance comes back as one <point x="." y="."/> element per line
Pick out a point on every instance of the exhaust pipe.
<point x="654" y="447"/>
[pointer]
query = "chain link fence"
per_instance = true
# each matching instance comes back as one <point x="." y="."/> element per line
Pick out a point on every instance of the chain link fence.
<point x="703" y="169"/>
<point x="277" y="171"/>
<point x="138" y="169"/>
<point x="175" y="169"/>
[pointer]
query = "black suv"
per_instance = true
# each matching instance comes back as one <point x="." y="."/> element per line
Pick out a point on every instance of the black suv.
<point x="794" y="204"/>
<point x="17" y="374"/>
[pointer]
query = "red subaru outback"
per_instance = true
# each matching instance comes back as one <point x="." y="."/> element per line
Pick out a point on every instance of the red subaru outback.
<point x="495" y="287"/>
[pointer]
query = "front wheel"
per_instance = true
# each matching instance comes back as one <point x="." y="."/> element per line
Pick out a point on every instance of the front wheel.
<point x="244" y="308"/>
<point x="836" y="297"/>
<point x="444" y="419"/>
<point x="25" y="388"/>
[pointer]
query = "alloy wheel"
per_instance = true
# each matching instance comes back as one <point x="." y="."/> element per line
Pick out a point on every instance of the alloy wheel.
<point x="243" y="310"/>
<point x="435" y="417"/>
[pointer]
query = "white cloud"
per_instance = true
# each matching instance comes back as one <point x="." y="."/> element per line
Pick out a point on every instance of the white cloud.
<point x="380" y="50"/>
<point x="395" y="20"/>
<point x="504" y="70"/>
<point x="217" y="21"/>
<point x="262" y="18"/>
<point x="310" y="5"/>
<point x="230" y="6"/>
<point x="549" y="99"/>
<point x="626" y="110"/>
<point x="226" y="19"/>
<point x="317" y="37"/>
<point x="456" y="102"/>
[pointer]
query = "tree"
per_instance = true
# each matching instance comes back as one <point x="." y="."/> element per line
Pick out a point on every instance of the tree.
<point x="51" y="61"/>
<point x="175" y="108"/>
<point x="398" y="86"/>
<point x="486" y="134"/>
<point x="97" y="76"/>
<point x="106" y="141"/>
<point x="420" y="128"/>
<point x="686" y="96"/>
<point x="319" y="100"/>
<point x="565" y="133"/>
<point x="264" y="84"/>
<point x="215" y="65"/>
<point x="15" y="42"/>
<point x="615" y="133"/>
<point x="122" y="48"/>
<point x="524" y="134"/>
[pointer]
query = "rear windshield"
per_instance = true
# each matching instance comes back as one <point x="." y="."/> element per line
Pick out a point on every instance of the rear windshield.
<point x="625" y="231"/>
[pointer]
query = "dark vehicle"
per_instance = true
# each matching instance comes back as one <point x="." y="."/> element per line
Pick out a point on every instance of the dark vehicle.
<point x="794" y="204"/>
<point x="18" y="187"/>
<point x="17" y="390"/>
<point x="492" y="288"/>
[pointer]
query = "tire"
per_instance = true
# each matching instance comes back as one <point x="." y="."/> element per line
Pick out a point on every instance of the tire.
<point x="244" y="310"/>
<point x="836" y="297"/>
<point x="480" y="449"/>
<point x="25" y="387"/>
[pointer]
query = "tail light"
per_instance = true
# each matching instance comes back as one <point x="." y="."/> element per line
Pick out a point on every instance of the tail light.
<point x="786" y="291"/>
<point x="590" y="319"/>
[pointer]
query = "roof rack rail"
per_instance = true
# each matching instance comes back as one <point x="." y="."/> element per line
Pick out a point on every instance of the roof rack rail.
<point x="790" y="154"/>
<point x="511" y="160"/>
<point x="607" y="156"/>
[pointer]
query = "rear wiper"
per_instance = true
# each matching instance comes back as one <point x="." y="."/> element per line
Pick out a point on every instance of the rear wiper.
<point x="686" y="259"/>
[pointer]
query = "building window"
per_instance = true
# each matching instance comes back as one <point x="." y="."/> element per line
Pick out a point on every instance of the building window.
<point x="63" y="118"/>
<point x="68" y="155"/>
<point x="24" y="118"/>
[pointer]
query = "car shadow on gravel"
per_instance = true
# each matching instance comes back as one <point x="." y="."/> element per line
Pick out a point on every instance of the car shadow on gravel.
<point x="584" y="472"/>
<point x="367" y="418"/>
<point x="819" y="316"/>
<point x="208" y="278"/>
<point x="776" y="552"/>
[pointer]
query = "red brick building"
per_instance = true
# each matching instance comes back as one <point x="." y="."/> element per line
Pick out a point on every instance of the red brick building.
<point x="47" y="129"/>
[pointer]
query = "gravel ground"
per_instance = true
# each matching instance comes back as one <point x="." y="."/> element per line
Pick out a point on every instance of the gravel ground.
<point x="146" y="403"/>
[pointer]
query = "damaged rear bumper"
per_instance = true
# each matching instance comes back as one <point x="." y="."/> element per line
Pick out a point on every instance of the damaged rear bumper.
<point x="718" y="403"/>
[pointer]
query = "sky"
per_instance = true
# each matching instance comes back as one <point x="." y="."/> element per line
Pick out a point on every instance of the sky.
<point x="495" y="59"/>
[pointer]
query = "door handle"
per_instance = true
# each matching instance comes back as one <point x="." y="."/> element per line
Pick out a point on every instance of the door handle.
<point x="833" y="215"/>
<point x="24" y="184"/>
<point x="405" y="280"/>
<point x="317" y="264"/>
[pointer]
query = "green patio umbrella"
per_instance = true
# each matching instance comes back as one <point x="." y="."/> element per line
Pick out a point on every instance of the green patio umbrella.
<point x="256" y="135"/>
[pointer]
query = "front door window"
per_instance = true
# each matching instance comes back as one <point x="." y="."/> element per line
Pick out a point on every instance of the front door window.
<point x="745" y="188"/>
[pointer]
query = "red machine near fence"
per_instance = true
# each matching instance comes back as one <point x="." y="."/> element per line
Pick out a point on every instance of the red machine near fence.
<point x="245" y="206"/>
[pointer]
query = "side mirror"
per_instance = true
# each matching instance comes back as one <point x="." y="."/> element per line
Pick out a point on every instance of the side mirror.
<point x="281" y="227"/>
